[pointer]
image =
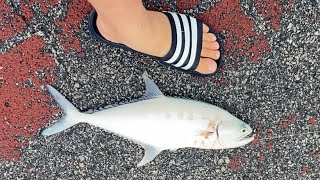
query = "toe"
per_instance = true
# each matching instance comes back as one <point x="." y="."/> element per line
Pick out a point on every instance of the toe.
<point x="209" y="53"/>
<point x="206" y="66"/>
<point x="210" y="45"/>
<point x="209" y="37"/>
<point x="215" y="45"/>
<point x="205" y="28"/>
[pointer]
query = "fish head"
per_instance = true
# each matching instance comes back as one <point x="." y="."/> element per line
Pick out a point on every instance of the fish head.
<point x="233" y="132"/>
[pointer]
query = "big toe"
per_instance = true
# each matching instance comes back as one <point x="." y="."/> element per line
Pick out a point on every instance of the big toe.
<point x="206" y="66"/>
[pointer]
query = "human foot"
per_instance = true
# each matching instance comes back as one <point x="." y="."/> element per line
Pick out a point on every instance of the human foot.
<point x="151" y="34"/>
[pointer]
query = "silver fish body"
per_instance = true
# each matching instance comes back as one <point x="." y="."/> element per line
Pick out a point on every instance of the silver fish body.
<point x="166" y="123"/>
<point x="159" y="123"/>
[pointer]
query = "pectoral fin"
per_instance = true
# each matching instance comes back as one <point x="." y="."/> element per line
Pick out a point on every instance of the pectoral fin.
<point x="149" y="154"/>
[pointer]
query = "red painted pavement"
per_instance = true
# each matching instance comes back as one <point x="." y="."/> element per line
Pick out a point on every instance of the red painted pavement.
<point x="288" y="122"/>
<point x="26" y="7"/>
<point x="305" y="170"/>
<point x="23" y="109"/>
<point x="316" y="154"/>
<point x="261" y="156"/>
<point x="313" y="121"/>
<point x="241" y="40"/>
<point x="150" y="5"/>
<point x="77" y="9"/>
<point x="186" y="4"/>
<point x="257" y="141"/>
<point x="9" y="24"/>
<point x="227" y="15"/>
<point x="271" y="11"/>
<point x="236" y="161"/>
<point x="269" y="132"/>
<point x="269" y="145"/>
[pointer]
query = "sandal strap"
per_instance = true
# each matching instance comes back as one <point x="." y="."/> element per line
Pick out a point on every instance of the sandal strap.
<point x="186" y="42"/>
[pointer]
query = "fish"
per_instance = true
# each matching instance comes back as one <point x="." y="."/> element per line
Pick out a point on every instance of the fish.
<point x="157" y="122"/>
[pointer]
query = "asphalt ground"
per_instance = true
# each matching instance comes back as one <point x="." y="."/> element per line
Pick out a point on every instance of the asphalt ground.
<point x="270" y="79"/>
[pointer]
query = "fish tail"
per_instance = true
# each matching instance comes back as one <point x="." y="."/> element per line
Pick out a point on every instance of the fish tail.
<point x="71" y="115"/>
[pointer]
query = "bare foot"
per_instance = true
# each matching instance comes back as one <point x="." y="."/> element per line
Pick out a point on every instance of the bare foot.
<point x="150" y="33"/>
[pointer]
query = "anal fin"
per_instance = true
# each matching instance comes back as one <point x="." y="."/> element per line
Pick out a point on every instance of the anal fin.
<point x="149" y="154"/>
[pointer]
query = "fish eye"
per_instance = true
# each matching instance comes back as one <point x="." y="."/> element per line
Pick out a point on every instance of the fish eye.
<point x="244" y="130"/>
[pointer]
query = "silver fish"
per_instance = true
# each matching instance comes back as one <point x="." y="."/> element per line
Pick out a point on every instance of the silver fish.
<point x="158" y="122"/>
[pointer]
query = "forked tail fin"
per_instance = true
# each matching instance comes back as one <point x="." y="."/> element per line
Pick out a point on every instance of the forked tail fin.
<point x="71" y="116"/>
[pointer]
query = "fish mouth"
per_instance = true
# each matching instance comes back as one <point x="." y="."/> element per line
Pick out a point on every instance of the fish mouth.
<point x="246" y="138"/>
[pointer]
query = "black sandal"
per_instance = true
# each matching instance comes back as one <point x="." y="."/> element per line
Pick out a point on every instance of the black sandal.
<point x="186" y="44"/>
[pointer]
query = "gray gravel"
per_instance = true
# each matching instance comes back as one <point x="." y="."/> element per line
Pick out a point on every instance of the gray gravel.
<point x="264" y="94"/>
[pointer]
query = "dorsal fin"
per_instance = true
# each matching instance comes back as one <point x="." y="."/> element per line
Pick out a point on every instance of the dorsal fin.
<point x="152" y="89"/>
